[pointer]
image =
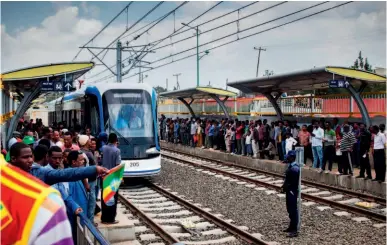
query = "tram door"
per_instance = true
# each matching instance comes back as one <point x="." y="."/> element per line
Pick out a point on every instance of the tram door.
<point x="91" y="114"/>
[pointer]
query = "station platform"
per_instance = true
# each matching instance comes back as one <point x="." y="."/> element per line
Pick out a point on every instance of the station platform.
<point x="332" y="179"/>
<point x="122" y="233"/>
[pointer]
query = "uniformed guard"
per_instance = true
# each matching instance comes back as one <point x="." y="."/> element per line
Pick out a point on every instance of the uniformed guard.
<point x="290" y="187"/>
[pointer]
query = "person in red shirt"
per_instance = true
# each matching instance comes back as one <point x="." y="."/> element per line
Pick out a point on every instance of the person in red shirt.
<point x="303" y="137"/>
<point x="68" y="142"/>
<point x="238" y="137"/>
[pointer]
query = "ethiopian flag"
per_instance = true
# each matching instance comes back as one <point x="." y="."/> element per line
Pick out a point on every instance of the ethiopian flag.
<point x="111" y="183"/>
<point x="5" y="216"/>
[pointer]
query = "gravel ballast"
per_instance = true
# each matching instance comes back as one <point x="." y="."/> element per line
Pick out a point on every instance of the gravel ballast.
<point x="265" y="214"/>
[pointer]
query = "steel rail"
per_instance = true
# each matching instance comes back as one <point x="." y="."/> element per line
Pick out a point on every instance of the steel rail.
<point x="364" y="196"/>
<point x="241" y="234"/>
<point x="146" y="219"/>
<point x="373" y="215"/>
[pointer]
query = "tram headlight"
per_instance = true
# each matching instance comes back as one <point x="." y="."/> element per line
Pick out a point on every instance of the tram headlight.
<point x="152" y="151"/>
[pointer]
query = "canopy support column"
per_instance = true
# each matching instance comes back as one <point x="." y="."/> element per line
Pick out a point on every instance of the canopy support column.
<point x="221" y="104"/>
<point x="273" y="100"/>
<point x="27" y="98"/>
<point x="356" y="95"/>
<point x="188" y="105"/>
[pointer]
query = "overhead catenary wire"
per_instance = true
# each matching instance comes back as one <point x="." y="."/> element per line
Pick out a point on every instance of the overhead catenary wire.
<point x="246" y="29"/>
<point x="137" y="57"/>
<point x="153" y="25"/>
<point x="254" y="34"/>
<point x="96" y="35"/>
<point x="224" y="44"/>
<point x="216" y="18"/>
<point x="177" y="32"/>
<point x="127" y="29"/>
<point x="142" y="55"/>
<point x="154" y="44"/>
<point x="223" y="25"/>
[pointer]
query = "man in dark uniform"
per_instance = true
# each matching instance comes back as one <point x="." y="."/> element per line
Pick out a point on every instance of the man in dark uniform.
<point x="111" y="158"/>
<point x="290" y="187"/>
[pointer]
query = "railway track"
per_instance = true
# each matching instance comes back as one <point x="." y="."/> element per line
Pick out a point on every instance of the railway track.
<point x="166" y="218"/>
<point x="333" y="197"/>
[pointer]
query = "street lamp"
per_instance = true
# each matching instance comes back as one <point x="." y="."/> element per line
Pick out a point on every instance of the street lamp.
<point x="205" y="53"/>
<point x="143" y="76"/>
<point x="197" y="51"/>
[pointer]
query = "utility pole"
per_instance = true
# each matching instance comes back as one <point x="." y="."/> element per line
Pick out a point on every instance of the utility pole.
<point x="226" y="83"/>
<point x="119" y="65"/>
<point x="139" y="74"/>
<point x="166" y="85"/>
<point x="119" y="62"/>
<point x="177" y="80"/>
<point x="197" y="51"/>
<point x="259" y="56"/>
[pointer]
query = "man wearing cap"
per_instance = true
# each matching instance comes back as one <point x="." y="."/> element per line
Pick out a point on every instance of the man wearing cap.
<point x="29" y="140"/>
<point x="290" y="188"/>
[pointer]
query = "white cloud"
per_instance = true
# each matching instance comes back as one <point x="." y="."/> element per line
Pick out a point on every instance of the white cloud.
<point x="90" y="10"/>
<point x="332" y="38"/>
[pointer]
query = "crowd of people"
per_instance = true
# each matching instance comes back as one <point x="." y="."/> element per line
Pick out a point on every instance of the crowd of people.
<point x="72" y="162"/>
<point x="350" y="145"/>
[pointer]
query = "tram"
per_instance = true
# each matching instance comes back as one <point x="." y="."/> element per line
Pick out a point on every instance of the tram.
<point x="130" y="111"/>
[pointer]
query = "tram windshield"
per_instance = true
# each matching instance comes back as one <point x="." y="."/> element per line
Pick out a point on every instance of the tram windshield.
<point x="129" y="113"/>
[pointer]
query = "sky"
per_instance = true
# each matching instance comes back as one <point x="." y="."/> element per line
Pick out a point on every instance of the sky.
<point x="35" y="33"/>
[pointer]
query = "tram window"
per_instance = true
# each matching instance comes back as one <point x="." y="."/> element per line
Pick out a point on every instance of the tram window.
<point x="94" y="120"/>
<point x="91" y="112"/>
<point x="129" y="112"/>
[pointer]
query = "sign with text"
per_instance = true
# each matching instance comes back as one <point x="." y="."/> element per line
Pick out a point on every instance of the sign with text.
<point x="47" y="85"/>
<point x="63" y="85"/>
<point x="338" y="84"/>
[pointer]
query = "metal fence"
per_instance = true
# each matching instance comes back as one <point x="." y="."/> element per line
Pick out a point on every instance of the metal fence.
<point x="87" y="234"/>
<point x="339" y="105"/>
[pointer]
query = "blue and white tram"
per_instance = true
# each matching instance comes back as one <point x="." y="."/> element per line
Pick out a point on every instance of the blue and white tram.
<point x="130" y="111"/>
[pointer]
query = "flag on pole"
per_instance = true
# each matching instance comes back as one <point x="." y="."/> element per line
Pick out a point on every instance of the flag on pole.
<point x="111" y="183"/>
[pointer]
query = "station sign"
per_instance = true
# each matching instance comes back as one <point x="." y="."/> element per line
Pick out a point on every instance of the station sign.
<point x="63" y="85"/>
<point x="338" y="84"/>
<point x="47" y="85"/>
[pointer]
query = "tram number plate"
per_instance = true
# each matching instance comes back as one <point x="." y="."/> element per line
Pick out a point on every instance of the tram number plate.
<point x="134" y="164"/>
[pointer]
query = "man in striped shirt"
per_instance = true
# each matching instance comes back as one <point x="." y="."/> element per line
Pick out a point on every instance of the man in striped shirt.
<point x="346" y="148"/>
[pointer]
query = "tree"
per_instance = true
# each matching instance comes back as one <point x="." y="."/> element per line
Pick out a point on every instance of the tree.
<point x="268" y="73"/>
<point x="367" y="66"/>
<point x="361" y="64"/>
<point x="361" y="61"/>
<point x="355" y="65"/>
<point x="160" y="89"/>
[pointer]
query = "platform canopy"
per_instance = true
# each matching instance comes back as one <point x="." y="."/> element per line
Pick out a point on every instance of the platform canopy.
<point x="33" y="83"/>
<point x="316" y="78"/>
<point x="28" y="78"/>
<point x="310" y="79"/>
<point x="200" y="93"/>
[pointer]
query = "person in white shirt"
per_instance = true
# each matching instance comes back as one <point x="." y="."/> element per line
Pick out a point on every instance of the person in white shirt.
<point x="317" y="137"/>
<point x="379" y="154"/>
<point x="135" y="121"/>
<point x="290" y="142"/>
<point x="249" y="149"/>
